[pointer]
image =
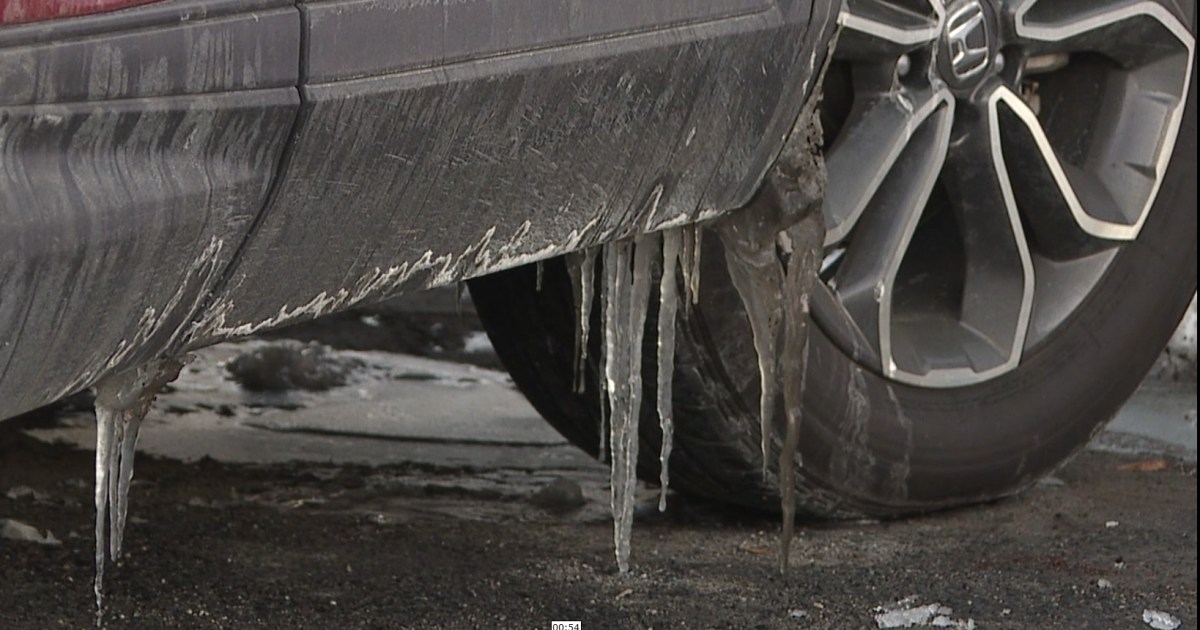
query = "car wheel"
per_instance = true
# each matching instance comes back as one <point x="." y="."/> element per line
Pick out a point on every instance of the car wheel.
<point x="1011" y="237"/>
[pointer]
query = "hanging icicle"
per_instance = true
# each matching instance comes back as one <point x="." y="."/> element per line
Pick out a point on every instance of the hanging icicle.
<point x="668" y="306"/>
<point x="581" y="267"/>
<point x="122" y="401"/>
<point x="757" y="273"/>
<point x="803" y="244"/>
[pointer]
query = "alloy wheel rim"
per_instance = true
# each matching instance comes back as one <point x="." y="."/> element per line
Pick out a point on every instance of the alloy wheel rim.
<point x="994" y="158"/>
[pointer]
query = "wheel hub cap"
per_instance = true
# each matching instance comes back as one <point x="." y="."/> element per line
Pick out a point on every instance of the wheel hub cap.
<point x="994" y="157"/>
<point x="965" y="51"/>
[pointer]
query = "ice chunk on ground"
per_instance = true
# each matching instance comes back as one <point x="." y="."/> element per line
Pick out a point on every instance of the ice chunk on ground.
<point x="16" y="530"/>
<point x="1161" y="620"/>
<point x="907" y="614"/>
<point x="20" y="492"/>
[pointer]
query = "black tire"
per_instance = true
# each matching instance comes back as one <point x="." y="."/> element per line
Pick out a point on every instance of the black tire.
<point x="872" y="446"/>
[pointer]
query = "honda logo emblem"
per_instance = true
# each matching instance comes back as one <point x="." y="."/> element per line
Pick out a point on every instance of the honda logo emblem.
<point x="966" y="39"/>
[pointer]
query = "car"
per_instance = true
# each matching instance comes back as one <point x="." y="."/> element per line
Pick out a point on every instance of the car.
<point x="1005" y="192"/>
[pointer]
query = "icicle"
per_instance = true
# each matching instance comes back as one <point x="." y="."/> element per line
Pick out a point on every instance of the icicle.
<point x="581" y="266"/>
<point x="768" y="291"/>
<point x="789" y="200"/>
<point x="697" y="250"/>
<point x="667" y="307"/>
<point x="574" y="263"/>
<point x="646" y="252"/>
<point x="541" y="272"/>
<point x="616" y="382"/>
<point x="626" y="297"/>
<point x="131" y="425"/>
<point x="121" y="403"/>
<point x="757" y="274"/>
<point x="687" y="242"/>
<point x="608" y="289"/>
<point x="689" y="261"/>
<point x="106" y="423"/>
<point x="459" y="288"/>
<point x="787" y="470"/>
<point x="805" y="241"/>
<point x="587" y="289"/>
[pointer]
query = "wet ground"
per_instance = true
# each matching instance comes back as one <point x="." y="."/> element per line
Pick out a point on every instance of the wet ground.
<point x="319" y="510"/>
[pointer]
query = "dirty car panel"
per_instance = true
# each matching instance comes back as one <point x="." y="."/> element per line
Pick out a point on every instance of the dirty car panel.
<point x="425" y="172"/>
<point x="185" y="172"/>
<point x="135" y="150"/>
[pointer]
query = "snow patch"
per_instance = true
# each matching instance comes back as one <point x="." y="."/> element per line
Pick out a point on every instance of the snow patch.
<point x="477" y="343"/>
<point x="1178" y="361"/>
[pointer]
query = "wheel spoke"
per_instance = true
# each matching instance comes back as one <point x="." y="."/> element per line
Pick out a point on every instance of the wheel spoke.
<point x="875" y="29"/>
<point x="1116" y="28"/>
<point x="1110" y="181"/>
<point x="997" y="291"/>
<point x="1068" y="208"/>
<point x="866" y="276"/>
<point x="866" y="151"/>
